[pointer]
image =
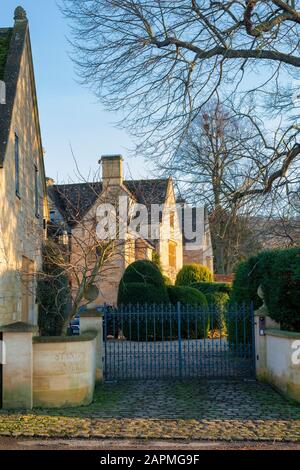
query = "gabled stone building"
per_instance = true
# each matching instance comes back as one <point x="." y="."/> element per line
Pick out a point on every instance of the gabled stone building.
<point x="73" y="203"/>
<point x="23" y="201"/>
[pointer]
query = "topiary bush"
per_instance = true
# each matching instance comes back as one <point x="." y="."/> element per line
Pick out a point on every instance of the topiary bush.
<point x="186" y="296"/>
<point x="278" y="272"/>
<point x="217" y="303"/>
<point x="141" y="293"/>
<point x="142" y="282"/>
<point x="137" y="327"/>
<point x="213" y="287"/>
<point x="281" y="286"/>
<point x="193" y="273"/>
<point x="190" y="299"/>
<point x="143" y="271"/>
<point x="249" y="276"/>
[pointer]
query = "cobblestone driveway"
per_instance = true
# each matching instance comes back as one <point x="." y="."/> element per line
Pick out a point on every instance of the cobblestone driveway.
<point x="202" y="358"/>
<point x="191" y="410"/>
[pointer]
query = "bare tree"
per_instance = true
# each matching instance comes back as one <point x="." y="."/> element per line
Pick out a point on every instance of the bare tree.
<point x="281" y="228"/>
<point x="78" y="252"/>
<point x="161" y="62"/>
<point x="215" y="160"/>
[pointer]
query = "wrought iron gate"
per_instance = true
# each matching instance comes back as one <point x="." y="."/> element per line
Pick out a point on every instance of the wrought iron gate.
<point x="147" y="342"/>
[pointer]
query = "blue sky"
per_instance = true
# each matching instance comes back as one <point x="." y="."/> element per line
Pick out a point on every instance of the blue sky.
<point x="69" y="113"/>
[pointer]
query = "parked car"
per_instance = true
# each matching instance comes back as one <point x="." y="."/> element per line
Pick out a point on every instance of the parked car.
<point x="74" y="326"/>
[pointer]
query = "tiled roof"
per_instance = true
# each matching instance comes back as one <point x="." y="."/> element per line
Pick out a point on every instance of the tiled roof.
<point x="13" y="43"/>
<point x="5" y="37"/>
<point x="148" y="192"/>
<point x="74" y="200"/>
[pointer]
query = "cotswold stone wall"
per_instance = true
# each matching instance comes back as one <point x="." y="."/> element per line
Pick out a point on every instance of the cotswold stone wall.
<point x="64" y="371"/>
<point x="41" y="372"/>
<point x="283" y="362"/>
<point x="278" y="358"/>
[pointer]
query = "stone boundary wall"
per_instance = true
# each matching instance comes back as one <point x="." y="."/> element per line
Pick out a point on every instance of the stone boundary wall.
<point x="278" y="358"/>
<point x="41" y="372"/>
<point x="64" y="371"/>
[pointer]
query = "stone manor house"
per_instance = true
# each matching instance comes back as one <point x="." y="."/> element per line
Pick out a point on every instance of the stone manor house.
<point x="73" y="205"/>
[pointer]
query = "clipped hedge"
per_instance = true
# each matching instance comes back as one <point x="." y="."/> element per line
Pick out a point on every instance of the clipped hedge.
<point x="246" y="282"/>
<point x="186" y="296"/>
<point x="191" y="327"/>
<point x="193" y="273"/>
<point x="141" y="293"/>
<point x="249" y="276"/>
<point x="281" y="287"/>
<point x="137" y="328"/>
<point x="155" y="326"/>
<point x="213" y="287"/>
<point x="278" y="272"/>
<point x="143" y="271"/>
<point x="217" y="302"/>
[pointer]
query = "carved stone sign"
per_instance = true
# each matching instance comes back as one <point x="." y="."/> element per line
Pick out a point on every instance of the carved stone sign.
<point x="71" y="361"/>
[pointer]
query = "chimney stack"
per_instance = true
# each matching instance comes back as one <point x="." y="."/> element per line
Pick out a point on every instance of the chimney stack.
<point x="112" y="170"/>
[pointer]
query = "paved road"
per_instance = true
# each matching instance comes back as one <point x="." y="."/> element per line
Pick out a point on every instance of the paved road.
<point x="103" y="445"/>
